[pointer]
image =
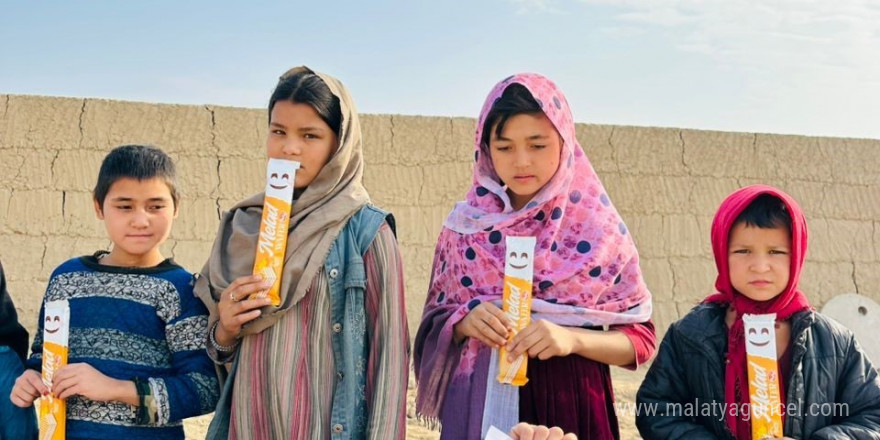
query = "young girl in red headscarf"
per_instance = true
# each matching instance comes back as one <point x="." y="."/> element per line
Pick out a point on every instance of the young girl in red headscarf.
<point x="697" y="387"/>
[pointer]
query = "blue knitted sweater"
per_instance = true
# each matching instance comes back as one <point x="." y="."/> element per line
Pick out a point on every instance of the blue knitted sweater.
<point x="129" y="323"/>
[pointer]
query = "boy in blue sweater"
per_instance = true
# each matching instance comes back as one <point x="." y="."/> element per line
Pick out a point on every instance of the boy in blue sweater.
<point x="137" y="363"/>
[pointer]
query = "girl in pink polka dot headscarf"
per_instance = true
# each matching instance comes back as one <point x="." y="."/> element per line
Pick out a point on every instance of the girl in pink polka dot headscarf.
<point x="590" y="305"/>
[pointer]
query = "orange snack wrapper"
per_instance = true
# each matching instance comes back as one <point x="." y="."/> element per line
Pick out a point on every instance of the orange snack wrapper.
<point x="272" y="244"/>
<point x="764" y="398"/>
<point x="517" y="303"/>
<point x="56" y="330"/>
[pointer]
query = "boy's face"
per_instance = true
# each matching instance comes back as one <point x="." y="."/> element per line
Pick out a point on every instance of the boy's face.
<point x="526" y="155"/>
<point x="759" y="260"/>
<point x="138" y="215"/>
<point x="297" y="132"/>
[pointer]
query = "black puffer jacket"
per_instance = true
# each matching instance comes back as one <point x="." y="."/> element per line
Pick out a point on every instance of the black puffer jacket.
<point x="832" y="381"/>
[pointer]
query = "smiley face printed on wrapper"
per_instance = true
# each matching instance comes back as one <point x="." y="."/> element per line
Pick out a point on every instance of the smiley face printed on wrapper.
<point x="279" y="182"/>
<point x="56" y="322"/>
<point x="519" y="255"/>
<point x="518" y="261"/>
<point x="281" y="178"/>
<point x="759" y="337"/>
<point x="52" y="324"/>
<point x="760" y="333"/>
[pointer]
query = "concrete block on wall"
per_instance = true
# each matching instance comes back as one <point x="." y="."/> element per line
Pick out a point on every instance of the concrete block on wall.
<point x="648" y="151"/>
<point x="658" y="277"/>
<point x="793" y="157"/>
<point x="196" y="220"/>
<point x="80" y="219"/>
<point x="694" y="278"/>
<point x="22" y="256"/>
<point x="446" y="183"/>
<point x="648" y="194"/>
<point x="197" y="176"/>
<point x="173" y="128"/>
<point x="854" y="161"/>
<point x="242" y="177"/>
<point x="35" y="212"/>
<point x="239" y="132"/>
<point x="718" y="154"/>
<point x="841" y="240"/>
<point x="851" y="202"/>
<point x="596" y="143"/>
<point x="820" y="281"/>
<point x="42" y="123"/>
<point x="26" y="169"/>
<point x="394" y="184"/>
<point x="77" y="170"/>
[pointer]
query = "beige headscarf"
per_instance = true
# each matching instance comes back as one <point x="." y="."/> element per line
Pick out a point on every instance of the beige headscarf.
<point x="317" y="217"/>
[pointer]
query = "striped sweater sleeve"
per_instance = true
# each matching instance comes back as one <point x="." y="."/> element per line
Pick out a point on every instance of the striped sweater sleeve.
<point x="388" y="367"/>
<point x="193" y="388"/>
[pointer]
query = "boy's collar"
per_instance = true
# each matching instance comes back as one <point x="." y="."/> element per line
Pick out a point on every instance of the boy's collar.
<point x="93" y="262"/>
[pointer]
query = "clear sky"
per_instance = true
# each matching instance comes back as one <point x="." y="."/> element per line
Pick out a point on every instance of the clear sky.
<point x="778" y="66"/>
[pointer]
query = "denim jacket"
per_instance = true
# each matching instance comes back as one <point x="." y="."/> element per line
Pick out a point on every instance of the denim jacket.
<point x="344" y="268"/>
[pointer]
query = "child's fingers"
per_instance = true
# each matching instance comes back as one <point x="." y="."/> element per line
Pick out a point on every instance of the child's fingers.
<point x="22" y="399"/>
<point x="34" y="383"/>
<point x="59" y="386"/>
<point x="246" y="317"/>
<point x="517" y="340"/>
<point x="243" y="287"/>
<point x="495" y="329"/>
<point x="251" y="304"/>
<point x="499" y="315"/>
<point x="523" y="342"/>
<point x="555" y="433"/>
<point x="69" y="391"/>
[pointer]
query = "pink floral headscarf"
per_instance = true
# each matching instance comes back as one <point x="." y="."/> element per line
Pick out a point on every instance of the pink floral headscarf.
<point x="586" y="264"/>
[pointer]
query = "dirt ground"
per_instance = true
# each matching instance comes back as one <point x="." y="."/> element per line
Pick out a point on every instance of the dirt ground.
<point x="626" y="383"/>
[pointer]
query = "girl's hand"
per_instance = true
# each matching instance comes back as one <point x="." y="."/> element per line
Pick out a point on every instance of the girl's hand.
<point x="485" y="322"/>
<point x="28" y="387"/>
<point x="543" y="340"/>
<point x="524" y="431"/>
<point x="235" y="309"/>
<point x="84" y="380"/>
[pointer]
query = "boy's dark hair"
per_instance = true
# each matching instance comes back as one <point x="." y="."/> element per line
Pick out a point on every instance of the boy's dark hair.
<point x="515" y="100"/>
<point x="308" y="88"/>
<point x="767" y="212"/>
<point x="139" y="162"/>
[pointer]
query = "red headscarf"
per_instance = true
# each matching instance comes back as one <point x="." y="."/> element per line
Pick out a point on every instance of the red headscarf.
<point x="787" y="303"/>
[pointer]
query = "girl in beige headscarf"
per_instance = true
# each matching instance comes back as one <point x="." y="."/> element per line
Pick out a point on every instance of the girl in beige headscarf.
<point x="332" y="358"/>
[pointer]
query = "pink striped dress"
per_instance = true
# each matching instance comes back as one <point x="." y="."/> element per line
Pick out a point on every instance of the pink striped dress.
<point x="286" y="376"/>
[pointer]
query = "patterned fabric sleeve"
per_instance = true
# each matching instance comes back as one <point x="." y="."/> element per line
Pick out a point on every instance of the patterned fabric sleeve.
<point x="193" y="388"/>
<point x="388" y="368"/>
